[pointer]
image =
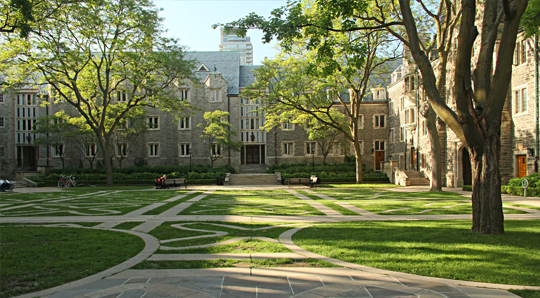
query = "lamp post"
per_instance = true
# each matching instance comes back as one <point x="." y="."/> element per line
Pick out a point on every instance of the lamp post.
<point x="189" y="159"/>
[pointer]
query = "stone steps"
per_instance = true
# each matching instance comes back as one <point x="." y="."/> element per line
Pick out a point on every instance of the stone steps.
<point x="415" y="178"/>
<point x="253" y="179"/>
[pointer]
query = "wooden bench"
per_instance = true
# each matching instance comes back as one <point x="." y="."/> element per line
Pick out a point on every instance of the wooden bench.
<point x="304" y="181"/>
<point x="172" y="183"/>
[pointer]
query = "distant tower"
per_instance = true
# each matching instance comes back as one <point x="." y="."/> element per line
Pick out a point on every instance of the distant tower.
<point x="231" y="42"/>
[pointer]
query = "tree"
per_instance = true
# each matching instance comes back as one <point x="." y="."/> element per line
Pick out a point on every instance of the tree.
<point x="217" y="134"/>
<point x="327" y="138"/>
<point x="89" y="51"/>
<point x="531" y="18"/>
<point x="320" y="72"/>
<point x="51" y="131"/>
<point x="129" y="130"/>
<point x="22" y="16"/>
<point x="84" y="139"/>
<point x="479" y="91"/>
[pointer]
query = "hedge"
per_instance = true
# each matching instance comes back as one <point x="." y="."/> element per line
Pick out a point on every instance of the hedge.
<point x="198" y="168"/>
<point x="513" y="190"/>
<point x="127" y="182"/>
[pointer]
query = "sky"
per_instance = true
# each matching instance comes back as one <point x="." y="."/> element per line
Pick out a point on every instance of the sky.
<point x="191" y="22"/>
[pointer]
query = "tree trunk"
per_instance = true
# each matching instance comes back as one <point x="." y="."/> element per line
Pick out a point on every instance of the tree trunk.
<point x="359" y="170"/>
<point x="107" y="160"/>
<point x="436" y="169"/>
<point x="488" y="215"/>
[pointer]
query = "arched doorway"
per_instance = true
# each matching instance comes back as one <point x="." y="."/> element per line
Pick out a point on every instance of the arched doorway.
<point x="466" y="167"/>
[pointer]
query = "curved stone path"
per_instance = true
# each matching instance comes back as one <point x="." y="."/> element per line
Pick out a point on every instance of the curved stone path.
<point x="350" y="280"/>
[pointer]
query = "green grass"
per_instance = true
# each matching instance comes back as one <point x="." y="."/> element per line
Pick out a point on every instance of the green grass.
<point x="329" y="204"/>
<point x="169" y="205"/>
<point x="363" y="185"/>
<point x="166" y="231"/>
<point x="522" y="206"/>
<point x="221" y="263"/>
<point x="244" y="246"/>
<point x="446" y="249"/>
<point x="263" y="202"/>
<point x="37" y="258"/>
<point x="526" y="293"/>
<point x="84" y="201"/>
<point x="128" y="225"/>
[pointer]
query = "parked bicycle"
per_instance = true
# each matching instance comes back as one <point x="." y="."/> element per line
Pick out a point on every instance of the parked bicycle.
<point x="67" y="182"/>
<point x="5" y="185"/>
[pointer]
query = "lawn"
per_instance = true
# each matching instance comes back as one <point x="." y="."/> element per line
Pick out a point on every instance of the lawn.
<point x="221" y="263"/>
<point x="269" y="202"/>
<point x="82" y="201"/>
<point x="446" y="249"/>
<point x="35" y="258"/>
<point x="226" y="230"/>
<point x="363" y="185"/>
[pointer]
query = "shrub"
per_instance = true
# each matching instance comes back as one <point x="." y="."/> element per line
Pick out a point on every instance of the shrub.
<point x="467" y="187"/>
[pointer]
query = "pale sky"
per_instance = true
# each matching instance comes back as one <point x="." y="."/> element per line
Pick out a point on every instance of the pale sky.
<point x="191" y="22"/>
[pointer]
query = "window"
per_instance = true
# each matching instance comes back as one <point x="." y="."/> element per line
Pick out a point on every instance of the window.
<point x="153" y="150"/>
<point x="58" y="150"/>
<point x="379" y="93"/>
<point x="1" y="98"/>
<point x="409" y="116"/>
<point x="184" y="94"/>
<point x="2" y="151"/>
<point x="520" y="53"/>
<point x="379" y="121"/>
<point x="336" y="149"/>
<point x="402" y="103"/>
<point x="402" y="134"/>
<point x="91" y="150"/>
<point x="215" y="95"/>
<point x="153" y="122"/>
<point x="121" y="96"/>
<point x="311" y="148"/>
<point x="520" y="101"/>
<point x="215" y="150"/>
<point x="379" y="145"/>
<point x="424" y="128"/>
<point x="121" y="150"/>
<point x="1" y="121"/>
<point x="360" y="121"/>
<point x="184" y="123"/>
<point x="183" y="149"/>
<point x="287" y="126"/>
<point x="288" y="148"/>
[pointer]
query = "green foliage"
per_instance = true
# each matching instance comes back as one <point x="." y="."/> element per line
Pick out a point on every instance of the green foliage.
<point x="531" y="18"/>
<point x="534" y="181"/>
<point x="467" y="187"/>
<point x="219" y="136"/>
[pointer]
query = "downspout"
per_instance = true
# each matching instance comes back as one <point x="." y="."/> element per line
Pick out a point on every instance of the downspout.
<point x="416" y="148"/>
<point x="537" y="91"/>
<point x="229" y="120"/>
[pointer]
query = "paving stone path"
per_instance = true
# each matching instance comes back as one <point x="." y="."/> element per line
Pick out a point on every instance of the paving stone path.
<point x="350" y="280"/>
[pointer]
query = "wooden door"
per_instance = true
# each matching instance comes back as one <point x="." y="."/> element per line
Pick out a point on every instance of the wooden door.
<point x="413" y="159"/>
<point x="379" y="157"/>
<point x="252" y="154"/>
<point x="522" y="165"/>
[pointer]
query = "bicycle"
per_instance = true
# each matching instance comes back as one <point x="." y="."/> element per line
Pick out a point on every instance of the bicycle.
<point x="67" y="182"/>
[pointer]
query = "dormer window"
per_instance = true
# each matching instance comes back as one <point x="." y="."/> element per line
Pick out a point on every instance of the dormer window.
<point x="202" y="68"/>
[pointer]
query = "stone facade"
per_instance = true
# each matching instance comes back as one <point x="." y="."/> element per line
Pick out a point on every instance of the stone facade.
<point x="409" y="144"/>
<point x="168" y="141"/>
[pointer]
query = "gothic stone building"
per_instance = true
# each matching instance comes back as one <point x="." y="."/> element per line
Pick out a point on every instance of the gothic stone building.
<point x="171" y="142"/>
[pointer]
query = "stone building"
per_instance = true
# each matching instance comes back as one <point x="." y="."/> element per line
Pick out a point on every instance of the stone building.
<point x="168" y="141"/>
<point x="409" y="144"/>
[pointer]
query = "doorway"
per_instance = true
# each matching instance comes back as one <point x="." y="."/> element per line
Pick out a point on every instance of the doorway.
<point x="252" y="154"/>
<point x="466" y="167"/>
<point x="27" y="158"/>
<point x="379" y="157"/>
<point x="522" y="165"/>
<point x="413" y="159"/>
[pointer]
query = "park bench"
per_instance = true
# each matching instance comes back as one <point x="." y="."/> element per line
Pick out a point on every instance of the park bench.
<point x="172" y="183"/>
<point x="304" y="181"/>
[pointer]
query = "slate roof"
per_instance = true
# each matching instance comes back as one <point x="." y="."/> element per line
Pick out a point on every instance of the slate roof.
<point x="247" y="76"/>
<point x="227" y="63"/>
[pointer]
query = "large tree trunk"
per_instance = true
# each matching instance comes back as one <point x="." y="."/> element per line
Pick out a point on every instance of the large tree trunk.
<point x="488" y="215"/>
<point x="107" y="162"/>
<point x="436" y="169"/>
